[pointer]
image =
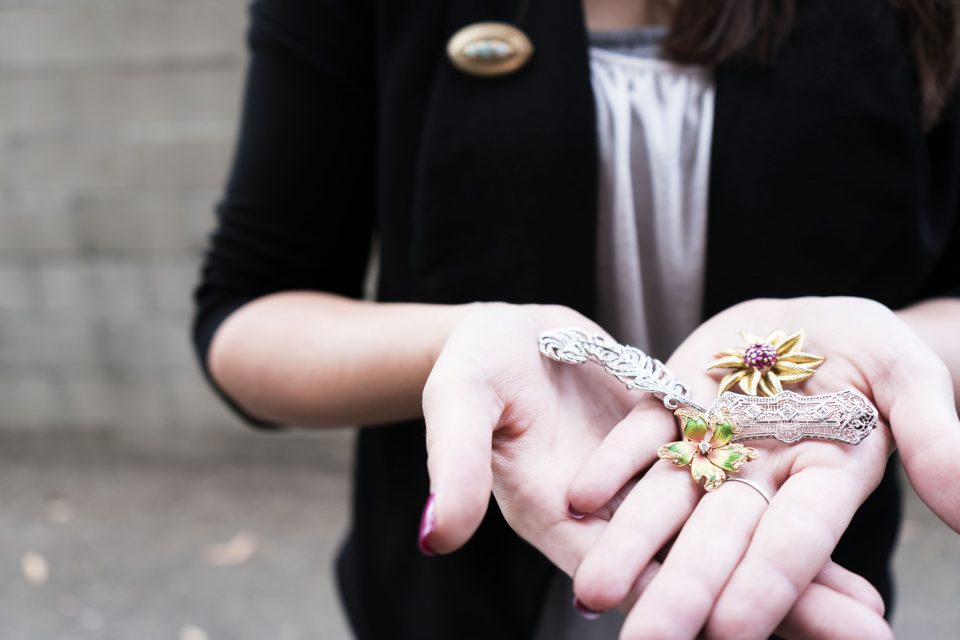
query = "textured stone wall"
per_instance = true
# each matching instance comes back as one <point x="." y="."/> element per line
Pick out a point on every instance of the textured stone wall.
<point x="117" y="120"/>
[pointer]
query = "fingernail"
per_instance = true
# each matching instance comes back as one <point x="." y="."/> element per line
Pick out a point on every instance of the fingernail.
<point x="584" y="610"/>
<point x="428" y="524"/>
<point x="576" y="515"/>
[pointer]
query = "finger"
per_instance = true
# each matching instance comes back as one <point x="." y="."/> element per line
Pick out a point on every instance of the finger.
<point x="461" y="413"/>
<point x="679" y="599"/>
<point x="917" y="399"/>
<point x="640" y="585"/>
<point x="830" y="608"/>
<point x="850" y="584"/>
<point x="651" y="515"/>
<point x="569" y="541"/>
<point x="574" y="539"/>
<point x="791" y="544"/>
<point x="629" y="448"/>
<point x="822" y="613"/>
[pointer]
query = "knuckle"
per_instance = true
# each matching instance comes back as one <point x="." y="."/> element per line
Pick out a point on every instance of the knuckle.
<point x="656" y="627"/>
<point x="819" y="537"/>
<point x="745" y="609"/>
<point x="731" y="620"/>
<point x="937" y="375"/>
<point x="905" y="358"/>
<point x="696" y="593"/>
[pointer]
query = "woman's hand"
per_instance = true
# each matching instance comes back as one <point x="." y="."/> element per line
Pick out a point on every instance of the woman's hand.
<point x="738" y="566"/>
<point x="500" y="416"/>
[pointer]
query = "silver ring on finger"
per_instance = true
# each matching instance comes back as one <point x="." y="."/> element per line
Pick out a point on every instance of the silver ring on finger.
<point x="753" y="485"/>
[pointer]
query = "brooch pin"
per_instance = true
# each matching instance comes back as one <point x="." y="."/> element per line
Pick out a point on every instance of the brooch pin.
<point x="711" y="436"/>
<point x="489" y="49"/>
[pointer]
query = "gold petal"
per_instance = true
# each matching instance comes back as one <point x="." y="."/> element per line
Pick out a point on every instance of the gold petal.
<point x="773" y="382"/>
<point x="730" y="352"/>
<point x="731" y="379"/>
<point x="787" y="368"/>
<point x="748" y="384"/>
<point x="751" y="338"/>
<point x="793" y="342"/>
<point x="775" y="338"/>
<point x="801" y="357"/>
<point x="764" y="388"/>
<point x="793" y="378"/>
<point x="727" y="362"/>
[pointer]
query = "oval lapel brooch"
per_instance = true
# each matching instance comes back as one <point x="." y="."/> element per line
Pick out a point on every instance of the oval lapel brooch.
<point x="489" y="49"/>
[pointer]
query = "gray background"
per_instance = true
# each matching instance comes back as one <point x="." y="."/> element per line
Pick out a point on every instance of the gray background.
<point x="116" y="464"/>
<point x="116" y="127"/>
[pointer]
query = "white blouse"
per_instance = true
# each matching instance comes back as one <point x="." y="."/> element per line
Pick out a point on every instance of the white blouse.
<point x="654" y="128"/>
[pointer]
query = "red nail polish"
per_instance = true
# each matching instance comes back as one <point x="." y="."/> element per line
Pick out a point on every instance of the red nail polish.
<point x="584" y="610"/>
<point x="576" y="515"/>
<point x="428" y="524"/>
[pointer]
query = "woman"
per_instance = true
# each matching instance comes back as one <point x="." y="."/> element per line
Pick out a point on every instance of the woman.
<point x="831" y="156"/>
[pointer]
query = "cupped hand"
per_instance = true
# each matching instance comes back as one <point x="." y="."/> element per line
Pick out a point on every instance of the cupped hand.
<point x="501" y="417"/>
<point x="737" y="567"/>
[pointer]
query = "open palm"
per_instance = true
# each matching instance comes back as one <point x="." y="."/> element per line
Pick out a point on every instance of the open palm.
<point x="500" y="417"/>
<point x="761" y="557"/>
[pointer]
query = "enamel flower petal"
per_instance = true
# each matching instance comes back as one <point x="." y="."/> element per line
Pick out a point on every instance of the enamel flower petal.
<point x="733" y="457"/>
<point x="712" y="475"/>
<point x="693" y="425"/>
<point x="679" y="453"/>
<point x="766" y="364"/>
<point x="723" y="431"/>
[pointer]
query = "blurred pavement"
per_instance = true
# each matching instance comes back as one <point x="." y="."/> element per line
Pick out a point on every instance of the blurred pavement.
<point x="129" y="534"/>
<point x="233" y="539"/>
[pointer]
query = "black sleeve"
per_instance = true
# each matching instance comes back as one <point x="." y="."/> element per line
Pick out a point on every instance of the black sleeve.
<point x="298" y="209"/>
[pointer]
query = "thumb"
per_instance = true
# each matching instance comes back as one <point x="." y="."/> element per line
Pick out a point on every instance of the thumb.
<point x="461" y="411"/>
<point x="917" y="398"/>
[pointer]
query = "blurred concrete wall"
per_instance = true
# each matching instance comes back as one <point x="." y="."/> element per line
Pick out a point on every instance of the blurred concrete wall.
<point x="117" y="120"/>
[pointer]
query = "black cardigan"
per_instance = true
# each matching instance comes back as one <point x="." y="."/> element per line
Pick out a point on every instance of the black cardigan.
<point x="356" y="124"/>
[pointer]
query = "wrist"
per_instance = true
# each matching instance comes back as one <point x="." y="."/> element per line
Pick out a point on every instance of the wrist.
<point x="446" y="319"/>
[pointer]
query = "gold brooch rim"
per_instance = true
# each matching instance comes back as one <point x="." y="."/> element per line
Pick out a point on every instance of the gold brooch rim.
<point x="517" y="39"/>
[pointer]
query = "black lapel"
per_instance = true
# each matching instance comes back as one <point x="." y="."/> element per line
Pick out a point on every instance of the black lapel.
<point x="815" y="164"/>
<point x="505" y="201"/>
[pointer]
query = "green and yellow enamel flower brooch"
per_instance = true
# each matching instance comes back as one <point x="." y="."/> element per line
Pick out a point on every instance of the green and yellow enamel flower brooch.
<point x="706" y="447"/>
